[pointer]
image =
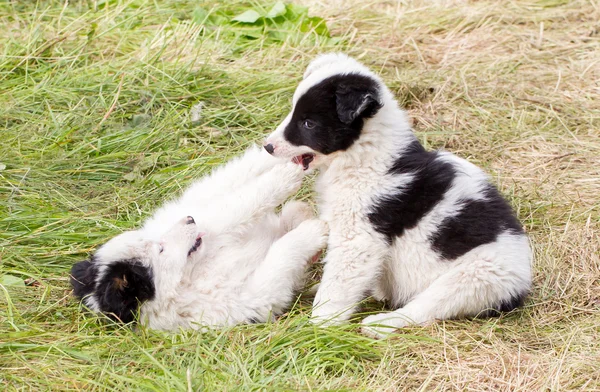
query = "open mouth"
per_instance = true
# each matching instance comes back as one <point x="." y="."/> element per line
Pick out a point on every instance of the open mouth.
<point x="196" y="245"/>
<point x="304" y="160"/>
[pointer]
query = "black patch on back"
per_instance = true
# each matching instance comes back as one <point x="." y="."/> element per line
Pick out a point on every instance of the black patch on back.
<point x="479" y="222"/>
<point x="125" y="285"/>
<point x="83" y="275"/>
<point x="515" y="301"/>
<point x="393" y="214"/>
<point x="338" y="106"/>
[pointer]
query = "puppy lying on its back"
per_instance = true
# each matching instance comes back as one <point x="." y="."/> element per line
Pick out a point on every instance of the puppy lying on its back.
<point x="218" y="255"/>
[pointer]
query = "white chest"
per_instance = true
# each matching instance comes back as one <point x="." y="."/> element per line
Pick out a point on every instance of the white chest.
<point x="345" y="199"/>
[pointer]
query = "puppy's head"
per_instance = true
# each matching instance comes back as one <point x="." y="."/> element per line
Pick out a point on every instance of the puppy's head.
<point x="124" y="272"/>
<point x="330" y="106"/>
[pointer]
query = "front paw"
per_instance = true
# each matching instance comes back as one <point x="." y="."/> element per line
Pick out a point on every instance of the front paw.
<point x="288" y="177"/>
<point x="295" y="212"/>
<point x="265" y="162"/>
<point x="380" y="326"/>
<point x="315" y="232"/>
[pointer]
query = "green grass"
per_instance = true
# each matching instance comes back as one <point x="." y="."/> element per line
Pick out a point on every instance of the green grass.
<point x="95" y="100"/>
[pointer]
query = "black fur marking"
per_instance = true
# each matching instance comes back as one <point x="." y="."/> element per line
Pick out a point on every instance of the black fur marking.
<point x="83" y="275"/>
<point x="479" y="222"/>
<point x="393" y="214"/>
<point x="195" y="246"/>
<point x="336" y="108"/>
<point x="124" y="286"/>
<point x="515" y="301"/>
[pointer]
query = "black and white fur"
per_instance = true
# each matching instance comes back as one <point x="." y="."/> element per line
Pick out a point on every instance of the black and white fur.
<point x="216" y="256"/>
<point x="423" y="230"/>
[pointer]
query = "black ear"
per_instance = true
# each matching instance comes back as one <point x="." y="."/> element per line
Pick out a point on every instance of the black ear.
<point x="124" y="286"/>
<point x="354" y="102"/>
<point x="83" y="275"/>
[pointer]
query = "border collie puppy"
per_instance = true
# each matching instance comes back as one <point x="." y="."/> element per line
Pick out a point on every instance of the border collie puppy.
<point x="423" y="230"/>
<point x="217" y="256"/>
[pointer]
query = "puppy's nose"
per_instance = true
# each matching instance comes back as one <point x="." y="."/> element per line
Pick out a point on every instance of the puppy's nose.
<point x="189" y="220"/>
<point x="269" y="147"/>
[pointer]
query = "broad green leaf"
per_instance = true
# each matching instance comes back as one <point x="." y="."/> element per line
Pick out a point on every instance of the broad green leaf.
<point x="551" y="3"/>
<point x="92" y="31"/>
<point x="132" y="176"/>
<point x="296" y="12"/>
<point x="277" y="10"/>
<point x="207" y="18"/>
<point x="139" y="119"/>
<point x="315" y="24"/>
<point x="9" y="280"/>
<point x="253" y="32"/>
<point x="335" y="40"/>
<point x="146" y="163"/>
<point x="200" y="15"/>
<point x="103" y="3"/>
<point x="277" y="35"/>
<point x="249" y="16"/>
<point x="218" y="20"/>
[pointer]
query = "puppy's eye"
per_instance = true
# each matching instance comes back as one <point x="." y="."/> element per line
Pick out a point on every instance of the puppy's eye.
<point x="160" y="248"/>
<point x="309" y="124"/>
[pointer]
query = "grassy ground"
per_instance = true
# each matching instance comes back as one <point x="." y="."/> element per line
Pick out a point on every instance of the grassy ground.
<point x="95" y="100"/>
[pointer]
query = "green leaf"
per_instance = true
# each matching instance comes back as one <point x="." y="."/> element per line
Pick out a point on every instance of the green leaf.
<point x="279" y="36"/>
<point x="277" y="10"/>
<point x="200" y="15"/>
<point x="133" y="176"/>
<point x="9" y="280"/>
<point x="103" y="3"/>
<point x="139" y="119"/>
<point x="249" y="16"/>
<point x="252" y="33"/>
<point x="315" y="24"/>
<point x="335" y="40"/>
<point x="92" y="31"/>
<point x="146" y="163"/>
<point x="208" y="18"/>
<point x="296" y="12"/>
<point x="218" y="20"/>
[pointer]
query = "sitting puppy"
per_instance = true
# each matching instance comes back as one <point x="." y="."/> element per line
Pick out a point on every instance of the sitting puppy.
<point x="423" y="230"/>
<point x="217" y="256"/>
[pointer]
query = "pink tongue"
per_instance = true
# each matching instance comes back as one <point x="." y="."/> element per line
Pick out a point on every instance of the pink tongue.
<point x="297" y="160"/>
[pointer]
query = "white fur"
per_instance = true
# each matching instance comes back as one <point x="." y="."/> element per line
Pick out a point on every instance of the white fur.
<point x="407" y="273"/>
<point x="251" y="260"/>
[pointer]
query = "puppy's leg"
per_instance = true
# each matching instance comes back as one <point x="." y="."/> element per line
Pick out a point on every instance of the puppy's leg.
<point x="256" y="198"/>
<point x="293" y="213"/>
<point x="351" y="267"/>
<point x="467" y="290"/>
<point x="281" y="273"/>
<point x="234" y="174"/>
<point x="254" y="162"/>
